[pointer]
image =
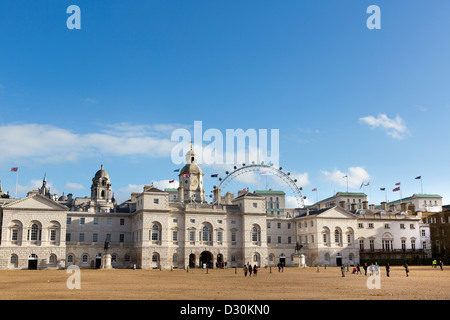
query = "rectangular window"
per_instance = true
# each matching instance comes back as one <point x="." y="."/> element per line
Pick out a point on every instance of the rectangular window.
<point x="312" y="238"/>
<point x="413" y="245"/>
<point x="424" y="245"/>
<point x="411" y="226"/>
<point x="324" y="238"/>
<point x="219" y="236"/>
<point x="268" y="225"/>
<point x="81" y="238"/>
<point x="82" y="220"/>
<point x="403" y="245"/>
<point x="279" y="225"/>
<point x="361" y="245"/>
<point x="289" y="239"/>
<point x="67" y="236"/>
<point x="122" y="222"/>
<point x="269" y="239"/>
<point x="175" y="236"/>
<point x="402" y="226"/>
<point x="192" y="236"/>
<point x="289" y="225"/>
<point x="52" y="235"/>
<point x="360" y="225"/>
<point x="279" y="239"/>
<point x="108" y="221"/>
<point x="14" y="235"/>
<point x="95" y="237"/>
<point x="156" y="201"/>
<point x="371" y="225"/>
<point x="386" y="226"/>
<point x="121" y="237"/>
<point x="255" y="205"/>
<point x="233" y="237"/>
<point x="95" y="220"/>
<point x="108" y="237"/>
<point x="372" y="245"/>
<point x="69" y="220"/>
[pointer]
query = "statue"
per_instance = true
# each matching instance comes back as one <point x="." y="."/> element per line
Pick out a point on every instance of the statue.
<point x="298" y="247"/>
<point x="106" y="247"/>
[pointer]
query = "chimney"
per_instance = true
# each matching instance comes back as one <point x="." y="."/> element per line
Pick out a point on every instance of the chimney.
<point x="353" y="206"/>
<point x="371" y="206"/>
<point x="384" y="205"/>
<point x="342" y="204"/>
<point x="365" y="204"/>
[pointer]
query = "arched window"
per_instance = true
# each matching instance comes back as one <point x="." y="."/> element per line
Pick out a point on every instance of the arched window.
<point x="155" y="233"/>
<point x="206" y="234"/>
<point x="256" y="234"/>
<point x="35" y="232"/>
<point x="52" y="259"/>
<point x="84" y="258"/>
<point x="70" y="258"/>
<point x="337" y="236"/>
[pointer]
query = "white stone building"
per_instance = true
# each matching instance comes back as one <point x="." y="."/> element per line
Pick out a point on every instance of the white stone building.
<point x="180" y="229"/>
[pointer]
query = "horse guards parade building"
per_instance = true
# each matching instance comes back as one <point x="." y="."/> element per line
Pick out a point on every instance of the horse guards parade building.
<point x="178" y="228"/>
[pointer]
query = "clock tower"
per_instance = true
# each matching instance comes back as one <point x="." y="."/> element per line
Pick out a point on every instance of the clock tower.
<point x="191" y="180"/>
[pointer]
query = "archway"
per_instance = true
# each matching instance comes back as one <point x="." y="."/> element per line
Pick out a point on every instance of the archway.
<point x="206" y="258"/>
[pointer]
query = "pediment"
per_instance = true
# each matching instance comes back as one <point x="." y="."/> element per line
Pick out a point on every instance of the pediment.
<point x="35" y="202"/>
<point x="337" y="213"/>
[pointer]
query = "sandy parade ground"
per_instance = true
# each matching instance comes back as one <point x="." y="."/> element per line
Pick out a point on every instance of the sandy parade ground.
<point x="423" y="283"/>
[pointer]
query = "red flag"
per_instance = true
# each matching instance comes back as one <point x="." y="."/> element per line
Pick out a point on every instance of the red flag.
<point x="397" y="184"/>
<point x="171" y="181"/>
<point x="14" y="169"/>
<point x="315" y="189"/>
<point x="396" y="189"/>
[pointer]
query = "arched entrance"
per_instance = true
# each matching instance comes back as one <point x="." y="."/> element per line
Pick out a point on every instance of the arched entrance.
<point x="32" y="262"/>
<point x="192" y="260"/>
<point x="206" y="258"/>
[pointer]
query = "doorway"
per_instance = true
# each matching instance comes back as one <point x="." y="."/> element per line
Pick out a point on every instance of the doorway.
<point x="32" y="262"/>
<point x="206" y="259"/>
<point x="282" y="260"/>
<point x="192" y="260"/>
<point x="98" y="262"/>
<point x="338" y="260"/>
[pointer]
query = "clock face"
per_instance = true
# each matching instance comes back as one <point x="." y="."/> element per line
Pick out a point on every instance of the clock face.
<point x="194" y="182"/>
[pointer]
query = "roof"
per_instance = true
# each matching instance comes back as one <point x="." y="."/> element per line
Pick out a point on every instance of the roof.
<point x="417" y="195"/>
<point x="344" y="194"/>
<point x="170" y="190"/>
<point x="191" y="168"/>
<point x="269" y="192"/>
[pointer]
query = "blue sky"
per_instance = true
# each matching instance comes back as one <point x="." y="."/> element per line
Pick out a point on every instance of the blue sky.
<point x="373" y="104"/>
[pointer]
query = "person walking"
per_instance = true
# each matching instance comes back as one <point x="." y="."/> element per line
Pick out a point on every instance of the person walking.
<point x="406" y="269"/>
<point x="388" y="269"/>
<point x="358" y="269"/>
<point x="250" y="270"/>
<point x="255" y="270"/>
<point x="441" y="264"/>
<point x="245" y="270"/>
<point x="365" y="268"/>
<point x="343" y="270"/>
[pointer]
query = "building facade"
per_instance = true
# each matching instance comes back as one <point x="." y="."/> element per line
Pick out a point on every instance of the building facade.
<point x="178" y="228"/>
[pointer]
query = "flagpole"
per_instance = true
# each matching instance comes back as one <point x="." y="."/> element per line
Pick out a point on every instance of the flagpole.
<point x="421" y="186"/>
<point x="17" y="179"/>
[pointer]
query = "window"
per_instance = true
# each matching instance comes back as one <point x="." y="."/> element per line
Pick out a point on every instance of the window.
<point x="192" y="236"/>
<point x="69" y="220"/>
<point x="206" y="234"/>
<point x="233" y="237"/>
<point x="127" y="258"/>
<point x="312" y="223"/>
<point x="192" y="220"/>
<point x="52" y="235"/>
<point x="255" y="205"/>
<point x="255" y="234"/>
<point x="34" y="232"/>
<point x="95" y="237"/>
<point x="361" y="245"/>
<point x="84" y="258"/>
<point x="372" y="245"/>
<point x="423" y="233"/>
<point x="413" y="245"/>
<point x="312" y="239"/>
<point x="174" y="236"/>
<point x="337" y="237"/>
<point x="269" y="239"/>
<point x="95" y="220"/>
<point x="279" y="225"/>
<point x="219" y="236"/>
<point x="155" y="233"/>
<point x="81" y="237"/>
<point x="279" y="239"/>
<point x="14" y="234"/>
<point x="108" y="237"/>
<point x="108" y="221"/>
<point x="360" y="225"/>
<point x="268" y="225"/>
<point x="402" y="226"/>
<point x="424" y="245"/>
<point x="411" y="226"/>
<point x="156" y="201"/>
<point x="67" y="236"/>
<point x="403" y="245"/>
<point x="289" y="225"/>
<point x="324" y="238"/>
<point x="121" y="237"/>
<point x="371" y="225"/>
<point x="82" y="220"/>
<point x="52" y="259"/>
<point x="387" y="245"/>
<point x="122" y="222"/>
<point x="70" y="258"/>
<point x="175" y="258"/>
<point x="386" y="226"/>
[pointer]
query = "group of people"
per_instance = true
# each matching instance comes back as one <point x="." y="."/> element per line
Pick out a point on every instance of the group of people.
<point x="248" y="269"/>
<point x="373" y="268"/>
<point x="441" y="264"/>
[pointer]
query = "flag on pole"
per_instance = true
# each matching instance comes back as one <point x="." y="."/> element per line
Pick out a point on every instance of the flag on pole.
<point x="382" y="189"/>
<point x="396" y="189"/>
<point x="214" y="175"/>
<point x="171" y="181"/>
<point x="362" y="184"/>
<point x="176" y="170"/>
<point x="15" y="169"/>
<point x="419" y="177"/>
<point x="315" y="189"/>
<point x="397" y="184"/>
<point x="368" y="184"/>
<point x="263" y="172"/>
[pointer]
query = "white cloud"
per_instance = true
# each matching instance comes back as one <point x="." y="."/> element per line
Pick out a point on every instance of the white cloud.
<point x="90" y="100"/>
<point x="50" y="144"/>
<point x="356" y="175"/>
<point x="74" y="185"/>
<point x="395" y="128"/>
